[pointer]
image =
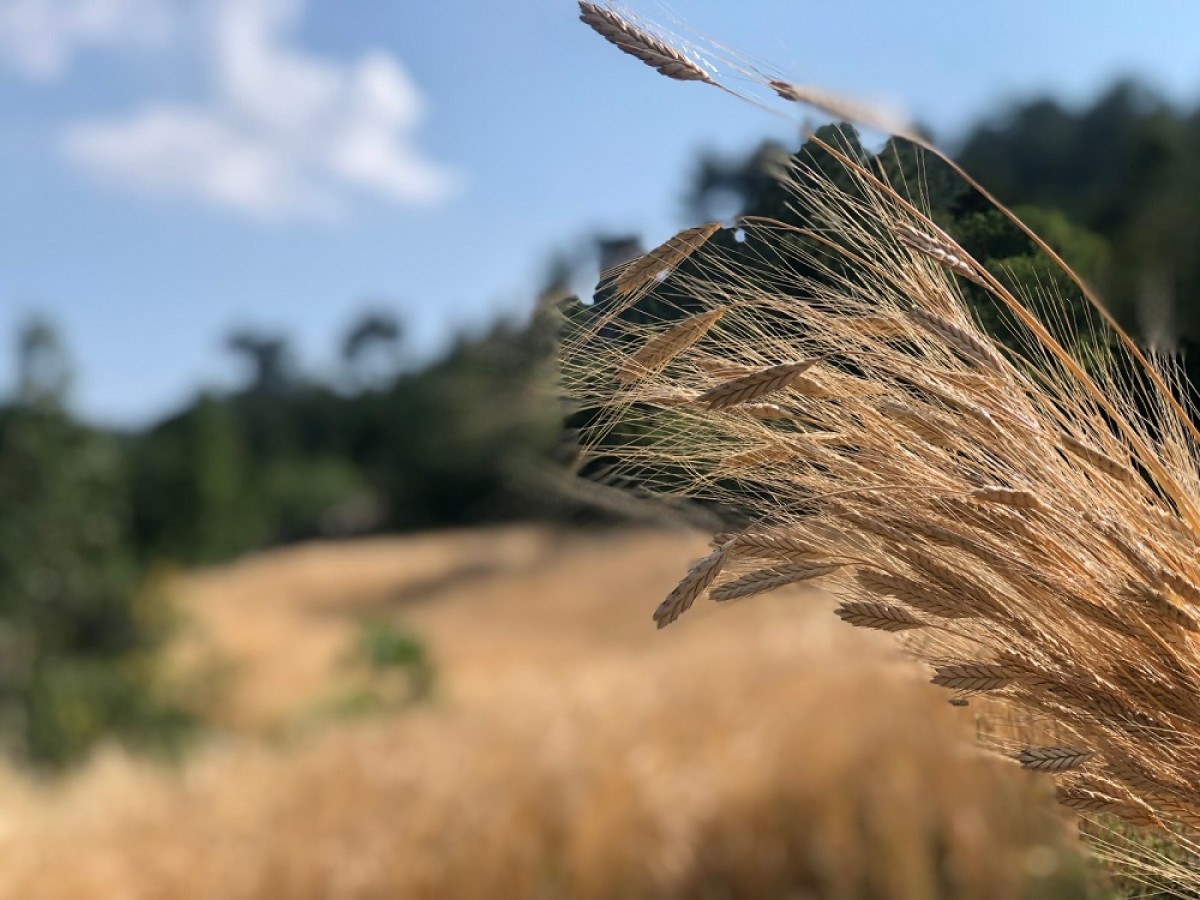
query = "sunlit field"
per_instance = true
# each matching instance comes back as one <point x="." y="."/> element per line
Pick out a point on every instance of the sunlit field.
<point x="564" y="748"/>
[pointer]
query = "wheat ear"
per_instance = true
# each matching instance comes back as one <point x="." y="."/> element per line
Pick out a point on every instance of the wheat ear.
<point x="640" y="44"/>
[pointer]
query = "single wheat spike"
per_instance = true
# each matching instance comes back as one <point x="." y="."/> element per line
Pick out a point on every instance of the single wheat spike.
<point x="662" y="348"/>
<point x="969" y="345"/>
<point x="750" y="459"/>
<point x="636" y="42"/>
<point x="1099" y="461"/>
<point x="1052" y="759"/>
<point x="1128" y="544"/>
<point x="755" y="385"/>
<point x="1084" y="801"/>
<point x="693" y="584"/>
<point x="1182" y="587"/>
<point x="976" y="677"/>
<point x="768" y="412"/>
<point x="1017" y="499"/>
<point x="844" y="109"/>
<point x="646" y="269"/>
<point x="923" y="424"/>
<point x="1093" y="795"/>
<point x="872" y="526"/>
<point x="881" y="616"/>
<point x="765" y="580"/>
<point x="924" y="598"/>
<point x="963" y="592"/>
<point x="1163" y="608"/>
<point x="941" y="249"/>
<point x="1175" y="525"/>
<point x="770" y="545"/>
<point x="881" y="327"/>
<point x="806" y="387"/>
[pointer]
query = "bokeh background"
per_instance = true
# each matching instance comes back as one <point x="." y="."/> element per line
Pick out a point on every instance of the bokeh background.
<point x="298" y="596"/>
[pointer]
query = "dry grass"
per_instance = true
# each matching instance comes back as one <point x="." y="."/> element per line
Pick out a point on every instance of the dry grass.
<point x="757" y="751"/>
<point x="1036" y="502"/>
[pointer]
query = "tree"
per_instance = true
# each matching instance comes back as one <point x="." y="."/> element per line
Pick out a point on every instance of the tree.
<point x="371" y="349"/>
<point x="76" y="626"/>
<point x="43" y="370"/>
<point x="269" y="360"/>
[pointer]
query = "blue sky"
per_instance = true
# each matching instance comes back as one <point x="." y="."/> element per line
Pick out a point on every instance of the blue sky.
<point x="174" y="168"/>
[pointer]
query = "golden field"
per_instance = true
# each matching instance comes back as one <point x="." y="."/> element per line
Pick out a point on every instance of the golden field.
<point x="760" y="749"/>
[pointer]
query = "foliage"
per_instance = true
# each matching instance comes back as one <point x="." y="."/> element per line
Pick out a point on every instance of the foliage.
<point x="391" y="651"/>
<point x="78" y="631"/>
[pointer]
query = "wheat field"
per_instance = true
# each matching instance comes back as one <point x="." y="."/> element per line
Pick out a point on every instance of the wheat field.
<point x="568" y="750"/>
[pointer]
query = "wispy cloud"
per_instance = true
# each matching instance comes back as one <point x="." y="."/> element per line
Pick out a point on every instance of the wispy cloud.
<point x="283" y="135"/>
<point x="38" y="38"/>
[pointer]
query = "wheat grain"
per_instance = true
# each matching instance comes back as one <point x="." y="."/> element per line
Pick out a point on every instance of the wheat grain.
<point x="1182" y="587"/>
<point x="1162" y="607"/>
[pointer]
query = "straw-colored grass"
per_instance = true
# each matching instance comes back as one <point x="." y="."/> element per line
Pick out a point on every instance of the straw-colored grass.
<point x="1070" y="593"/>
<point x="571" y="751"/>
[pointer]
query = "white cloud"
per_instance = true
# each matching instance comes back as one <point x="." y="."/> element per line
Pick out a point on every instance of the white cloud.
<point x="284" y="135"/>
<point x="39" y="37"/>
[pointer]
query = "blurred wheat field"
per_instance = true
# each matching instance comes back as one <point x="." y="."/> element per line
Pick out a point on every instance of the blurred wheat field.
<point x="569" y="749"/>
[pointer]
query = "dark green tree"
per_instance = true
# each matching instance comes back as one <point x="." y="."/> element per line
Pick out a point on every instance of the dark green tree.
<point x="371" y="350"/>
<point x="76" y="626"/>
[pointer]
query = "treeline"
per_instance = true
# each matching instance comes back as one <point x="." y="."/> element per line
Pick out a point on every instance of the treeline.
<point x="89" y="518"/>
<point x="85" y="515"/>
<point x="384" y="449"/>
